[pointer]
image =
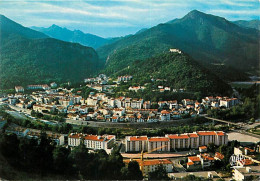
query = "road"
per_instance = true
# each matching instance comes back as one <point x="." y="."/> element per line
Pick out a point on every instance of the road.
<point x="223" y="121"/>
<point x="25" y="114"/>
<point x="156" y="155"/>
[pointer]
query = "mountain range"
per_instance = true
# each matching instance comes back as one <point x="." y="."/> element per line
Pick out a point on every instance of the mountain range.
<point x="29" y="56"/>
<point x="75" y="36"/>
<point x="219" y="49"/>
<point x="248" y="24"/>
<point x="212" y="40"/>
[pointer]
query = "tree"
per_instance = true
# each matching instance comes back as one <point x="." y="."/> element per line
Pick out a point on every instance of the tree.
<point x="133" y="171"/>
<point x="80" y="158"/>
<point x="159" y="174"/>
<point x="60" y="159"/>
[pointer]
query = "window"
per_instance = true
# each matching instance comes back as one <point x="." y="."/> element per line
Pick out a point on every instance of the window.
<point x="140" y="145"/>
<point x="181" y="143"/>
<point x="186" y="143"/>
<point x="176" y="144"/>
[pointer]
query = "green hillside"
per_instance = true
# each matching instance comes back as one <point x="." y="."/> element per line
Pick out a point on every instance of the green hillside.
<point x="28" y="57"/>
<point x="180" y="71"/>
<point x="209" y="39"/>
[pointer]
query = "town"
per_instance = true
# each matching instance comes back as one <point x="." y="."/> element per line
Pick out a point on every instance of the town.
<point x="98" y="106"/>
<point x="192" y="150"/>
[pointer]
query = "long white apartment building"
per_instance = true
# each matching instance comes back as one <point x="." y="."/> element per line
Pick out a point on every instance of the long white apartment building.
<point x="94" y="142"/>
<point x="175" y="141"/>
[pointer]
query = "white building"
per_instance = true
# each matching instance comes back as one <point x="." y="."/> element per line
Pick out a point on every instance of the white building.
<point x="19" y="89"/>
<point x="243" y="173"/>
<point x="94" y="142"/>
<point x="158" y="144"/>
<point x="136" y="143"/>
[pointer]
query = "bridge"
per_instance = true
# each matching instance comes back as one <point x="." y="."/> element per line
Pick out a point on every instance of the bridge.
<point x="223" y="121"/>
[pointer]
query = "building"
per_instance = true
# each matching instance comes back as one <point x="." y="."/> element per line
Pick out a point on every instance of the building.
<point x="19" y="89"/>
<point x="216" y="137"/>
<point x="94" y="142"/>
<point x="124" y="78"/>
<point x="177" y="141"/>
<point x="151" y="165"/>
<point x="136" y="143"/>
<point x="203" y="149"/>
<point x="53" y="85"/>
<point x="44" y="87"/>
<point x="165" y="115"/>
<point x="158" y="144"/>
<point x="244" y="173"/>
<point x="174" y="50"/>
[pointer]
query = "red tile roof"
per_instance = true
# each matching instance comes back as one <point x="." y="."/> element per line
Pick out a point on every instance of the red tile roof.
<point x="164" y="112"/>
<point x="151" y="162"/>
<point x="220" y="133"/>
<point x="178" y="136"/>
<point x="246" y="162"/>
<point x="158" y="139"/>
<point x="206" y="133"/>
<point x="203" y="147"/>
<point x="138" y="138"/>
<point x="190" y="163"/>
<point x="193" y="135"/>
<point x="194" y="158"/>
<point x="219" y="155"/>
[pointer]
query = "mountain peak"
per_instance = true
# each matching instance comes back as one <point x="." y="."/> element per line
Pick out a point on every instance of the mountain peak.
<point x="195" y="14"/>
<point x="54" y="26"/>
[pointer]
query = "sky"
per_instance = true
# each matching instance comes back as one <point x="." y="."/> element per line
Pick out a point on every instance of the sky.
<point x="113" y="18"/>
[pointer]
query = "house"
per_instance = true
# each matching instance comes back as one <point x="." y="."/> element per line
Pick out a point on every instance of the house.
<point x="125" y="78"/>
<point x="243" y="151"/>
<point x="203" y="149"/>
<point x="53" y="85"/>
<point x="193" y="163"/>
<point x="165" y="115"/>
<point x="206" y="160"/>
<point x="174" y="50"/>
<point x="218" y="156"/>
<point x="147" y="105"/>
<point x="136" y="88"/>
<point x="115" y="119"/>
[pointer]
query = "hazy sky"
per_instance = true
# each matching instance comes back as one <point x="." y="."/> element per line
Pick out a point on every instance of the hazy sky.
<point x="117" y="18"/>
